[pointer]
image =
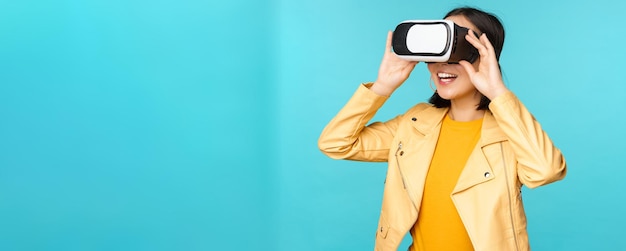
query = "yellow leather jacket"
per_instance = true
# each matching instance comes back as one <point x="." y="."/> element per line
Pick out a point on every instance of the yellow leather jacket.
<point x="513" y="151"/>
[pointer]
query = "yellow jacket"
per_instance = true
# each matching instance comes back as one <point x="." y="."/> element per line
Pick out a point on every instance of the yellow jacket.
<point x="513" y="151"/>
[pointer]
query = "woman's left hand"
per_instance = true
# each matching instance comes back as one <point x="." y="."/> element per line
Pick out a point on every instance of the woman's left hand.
<point x="488" y="78"/>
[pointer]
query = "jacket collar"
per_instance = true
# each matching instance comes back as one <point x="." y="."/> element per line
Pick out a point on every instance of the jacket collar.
<point x="430" y="120"/>
<point x="490" y="132"/>
<point x="478" y="169"/>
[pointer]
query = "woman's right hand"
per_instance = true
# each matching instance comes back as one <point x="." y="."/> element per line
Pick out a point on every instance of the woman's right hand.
<point x="393" y="71"/>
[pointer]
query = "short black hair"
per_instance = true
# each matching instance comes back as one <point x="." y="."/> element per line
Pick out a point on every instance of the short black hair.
<point x="488" y="24"/>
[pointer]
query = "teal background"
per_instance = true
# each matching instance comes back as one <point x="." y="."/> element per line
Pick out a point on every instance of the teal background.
<point x="193" y="125"/>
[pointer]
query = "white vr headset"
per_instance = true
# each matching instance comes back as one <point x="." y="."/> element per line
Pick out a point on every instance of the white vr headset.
<point x="432" y="41"/>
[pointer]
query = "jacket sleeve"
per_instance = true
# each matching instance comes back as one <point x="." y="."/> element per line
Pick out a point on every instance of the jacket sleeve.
<point x="347" y="137"/>
<point x="539" y="162"/>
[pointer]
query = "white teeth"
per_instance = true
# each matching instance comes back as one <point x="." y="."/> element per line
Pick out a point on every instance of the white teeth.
<point x="446" y="75"/>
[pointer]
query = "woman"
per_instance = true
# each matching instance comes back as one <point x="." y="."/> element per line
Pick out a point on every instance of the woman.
<point x="455" y="166"/>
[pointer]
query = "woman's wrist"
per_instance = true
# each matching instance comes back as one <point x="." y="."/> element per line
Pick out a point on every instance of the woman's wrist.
<point x="496" y="92"/>
<point x="381" y="89"/>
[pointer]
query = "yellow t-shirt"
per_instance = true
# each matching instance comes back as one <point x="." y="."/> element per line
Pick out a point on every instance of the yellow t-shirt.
<point x="439" y="227"/>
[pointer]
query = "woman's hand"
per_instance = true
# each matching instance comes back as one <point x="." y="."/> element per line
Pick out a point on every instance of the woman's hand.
<point x="488" y="78"/>
<point x="393" y="71"/>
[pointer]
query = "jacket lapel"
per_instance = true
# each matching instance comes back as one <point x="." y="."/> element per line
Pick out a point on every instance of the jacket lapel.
<point x="429" y="120"/>
<point x="477" y="169"/>
<point x="419" y="149"/>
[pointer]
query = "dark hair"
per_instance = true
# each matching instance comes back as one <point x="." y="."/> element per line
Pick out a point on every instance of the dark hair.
<point x="488" y="24"/>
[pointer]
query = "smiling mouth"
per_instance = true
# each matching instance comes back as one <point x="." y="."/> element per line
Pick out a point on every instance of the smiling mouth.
<point x="446" y="77"/>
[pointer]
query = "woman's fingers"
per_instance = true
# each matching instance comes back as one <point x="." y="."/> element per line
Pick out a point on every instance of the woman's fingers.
<point x="486" y="78"/>
<point x="479" y="43"/>
<point x="486" y="42"/>
<point x="388" y="44"/>
<point x="393" y="71"/>
<point x="469" y="68"/>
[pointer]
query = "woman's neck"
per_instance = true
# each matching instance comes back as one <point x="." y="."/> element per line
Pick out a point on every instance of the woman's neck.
<point x="465" y="111"/>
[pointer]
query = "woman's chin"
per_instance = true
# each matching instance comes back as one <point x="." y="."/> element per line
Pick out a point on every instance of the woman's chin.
<point x="445" y="94"/>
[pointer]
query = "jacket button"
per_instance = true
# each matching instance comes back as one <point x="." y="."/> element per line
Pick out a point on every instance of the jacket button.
<point x="414" y="119"/>
<point x="487" y="174"/>
<point x="401" y="153"/>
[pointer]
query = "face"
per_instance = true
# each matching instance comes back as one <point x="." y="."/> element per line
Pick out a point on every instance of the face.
<point x="451" y="80"/>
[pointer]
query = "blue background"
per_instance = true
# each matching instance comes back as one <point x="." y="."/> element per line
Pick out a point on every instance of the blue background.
<point x="193" y="125"/>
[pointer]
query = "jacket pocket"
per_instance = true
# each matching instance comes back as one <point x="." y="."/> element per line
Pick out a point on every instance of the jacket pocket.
<point x="383" y="227"/>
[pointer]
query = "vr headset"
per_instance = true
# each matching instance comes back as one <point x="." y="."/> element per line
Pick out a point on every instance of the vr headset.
<point x="432" y="41"/>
